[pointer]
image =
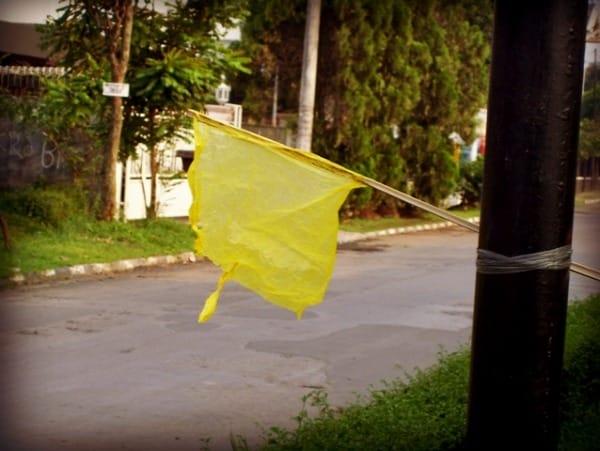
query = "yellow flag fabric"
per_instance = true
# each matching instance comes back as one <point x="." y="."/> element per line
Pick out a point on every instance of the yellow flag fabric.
<point x="265" y="213"/>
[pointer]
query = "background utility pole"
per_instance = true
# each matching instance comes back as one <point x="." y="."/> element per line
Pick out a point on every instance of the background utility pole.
<point x="275" y="97"/>
<point x="308" y="83"/>
<point x="527" y="207"/>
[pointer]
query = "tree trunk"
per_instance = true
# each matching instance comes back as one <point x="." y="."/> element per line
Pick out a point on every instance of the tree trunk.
<point x="309" y="75"/>
<point x="109" y="167"/>
<point x="7" y="242"/>
<point x="119" y="59"/>
<point x="152" y="212"/>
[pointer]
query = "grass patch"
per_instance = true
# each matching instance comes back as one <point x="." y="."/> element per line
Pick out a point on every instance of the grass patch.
<point x="582" y="198"/>
<point x="581" y="383"/>
<point x="49" y="230"/>
<point x="427" y="411"/>
<point x="369" y="225"/>
<point x="38" y="246"/>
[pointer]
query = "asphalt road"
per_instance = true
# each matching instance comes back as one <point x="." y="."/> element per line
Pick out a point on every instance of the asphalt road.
<point x="119" y="362"/>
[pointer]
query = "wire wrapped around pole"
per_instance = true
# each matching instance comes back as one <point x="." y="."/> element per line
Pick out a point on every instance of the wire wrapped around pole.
<point x="489" y="262"/>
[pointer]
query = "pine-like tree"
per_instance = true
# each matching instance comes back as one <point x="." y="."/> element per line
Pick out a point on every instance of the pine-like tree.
<point x="395" y="78"/>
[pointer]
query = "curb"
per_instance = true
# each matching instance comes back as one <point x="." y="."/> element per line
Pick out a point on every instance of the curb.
<point x="591" y="201"/>
<point x="70" y="272"/>
<point x="350" y="237"/>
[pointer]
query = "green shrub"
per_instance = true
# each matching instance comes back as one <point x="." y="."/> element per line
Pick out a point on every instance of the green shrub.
<point x="580" y="403"/>
<point x="46" y="205"/>
<point x="471" y="181"/>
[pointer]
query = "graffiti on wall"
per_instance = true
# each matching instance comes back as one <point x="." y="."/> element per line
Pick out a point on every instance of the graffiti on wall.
<point x="26" y="156"/>
<point x="22" y="146"/>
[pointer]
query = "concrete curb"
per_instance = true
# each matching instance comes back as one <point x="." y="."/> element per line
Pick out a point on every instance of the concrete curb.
<point x="350" y="237"/>
<point x="70" y="272"/>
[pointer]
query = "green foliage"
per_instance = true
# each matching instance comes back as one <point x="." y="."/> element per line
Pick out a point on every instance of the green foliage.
<point x="580" y="408"/>
<point x="590" y="103"/>
<point x="395" y="78"/>
<point x="75" y="119"/>
<point x="18" y="109"/>
<point x="430" y="153"/>
<point x="71" y="237"/>
<point x="471" y="181"/>
<point x="361" y="103"/>
<point x="589" y="138"/>
<point x="591" y="77"/>
<point x="425" y="411"/>
<point x="451" y="51"/>
<point x="176" y="59"/>
<point x="72" y="119"/>
<point x="68" y="112"/>
<point x="589" y="130"/>
<point x="50" y="206"/>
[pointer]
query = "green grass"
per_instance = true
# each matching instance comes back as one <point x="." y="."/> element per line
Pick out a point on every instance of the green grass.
<point x="37" y="246"/>
<point x="370" y="225"/>
<point x="581" y="397"/>
<point x="427" y="410"/>
<point x="587" y="196"/>
<point x="48" y="232"/>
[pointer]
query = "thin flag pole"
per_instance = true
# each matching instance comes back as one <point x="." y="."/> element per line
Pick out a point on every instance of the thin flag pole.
<point x="419" y="204"/>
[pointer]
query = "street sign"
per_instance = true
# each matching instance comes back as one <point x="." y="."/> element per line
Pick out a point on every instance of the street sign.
<point x="115" y="89"/>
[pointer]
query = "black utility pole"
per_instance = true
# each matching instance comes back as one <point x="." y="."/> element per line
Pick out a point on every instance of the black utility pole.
<point x="527" y="208"/>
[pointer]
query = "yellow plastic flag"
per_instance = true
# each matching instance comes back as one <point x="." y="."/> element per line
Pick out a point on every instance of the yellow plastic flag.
<point x="265" y="213"/>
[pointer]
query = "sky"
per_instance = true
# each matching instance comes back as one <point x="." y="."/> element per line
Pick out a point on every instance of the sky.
<point x="34" y="11"/>
<point x="27" y="11"/>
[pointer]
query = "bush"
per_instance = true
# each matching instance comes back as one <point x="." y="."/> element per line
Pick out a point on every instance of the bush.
<point x="47" y="205"/>
<point x="471" y="181"/>
<point x="580" y="403"/>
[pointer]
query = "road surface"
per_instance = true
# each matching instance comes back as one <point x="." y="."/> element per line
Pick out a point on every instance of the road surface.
<point x="119" y="362"/>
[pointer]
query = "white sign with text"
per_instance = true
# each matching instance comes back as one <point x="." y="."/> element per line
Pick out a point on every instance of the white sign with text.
<point x="115" y="89"/>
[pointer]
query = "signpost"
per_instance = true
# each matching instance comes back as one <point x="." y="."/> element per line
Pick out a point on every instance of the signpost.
<point x="115" y="89"/>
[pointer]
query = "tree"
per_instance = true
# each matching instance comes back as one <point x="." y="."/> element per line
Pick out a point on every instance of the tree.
<point x="395" y="78"/>
<point x="174" y="62"/>
<point x="451" y="52"/>
<point x="72" y="118"/>
<point x="273" y="36"/>
<point x="589" y="132"/>
<point x="87" y="26"/>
